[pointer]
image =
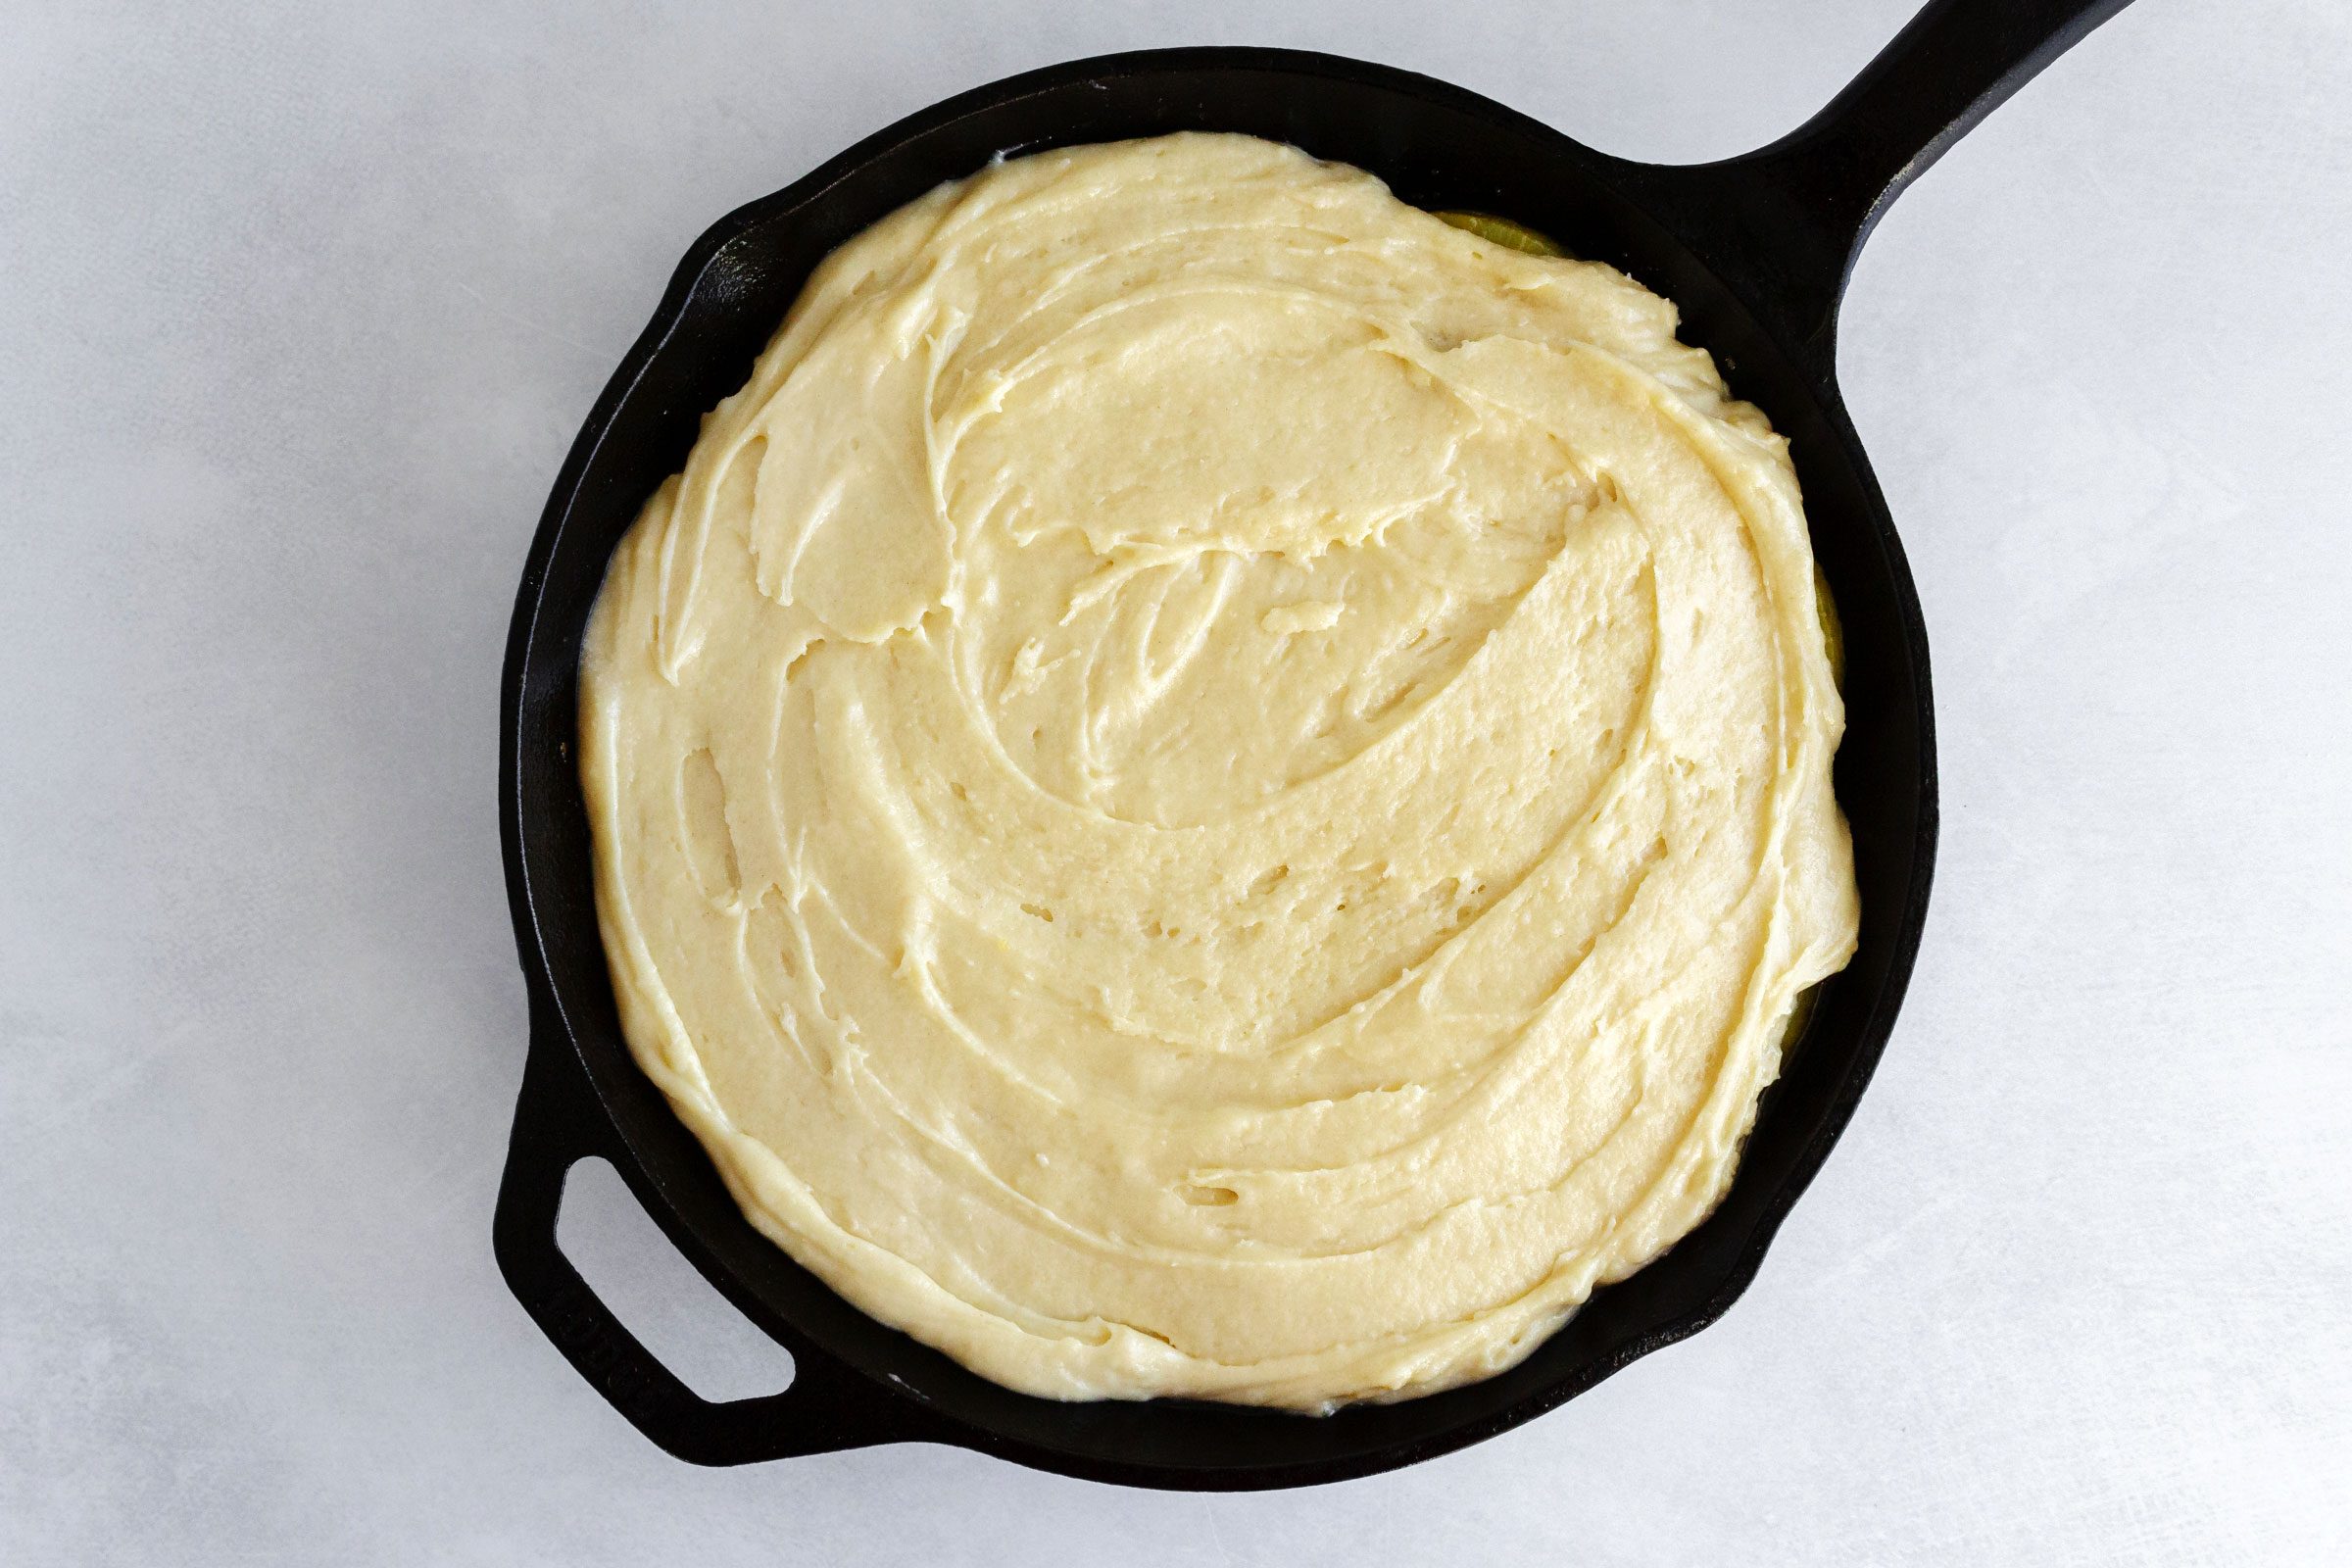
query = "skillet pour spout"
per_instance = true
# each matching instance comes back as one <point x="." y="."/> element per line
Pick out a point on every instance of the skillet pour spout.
<point x="1755" y="252"/>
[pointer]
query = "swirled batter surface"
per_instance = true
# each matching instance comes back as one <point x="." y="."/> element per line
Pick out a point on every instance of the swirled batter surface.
<point x="1210" y="786"/>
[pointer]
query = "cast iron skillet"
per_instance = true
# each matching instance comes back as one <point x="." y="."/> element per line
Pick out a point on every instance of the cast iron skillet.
<point x="1755" y="249"/>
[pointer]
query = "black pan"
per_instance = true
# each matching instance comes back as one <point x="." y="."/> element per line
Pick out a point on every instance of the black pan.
<point x="1755" y="251"/>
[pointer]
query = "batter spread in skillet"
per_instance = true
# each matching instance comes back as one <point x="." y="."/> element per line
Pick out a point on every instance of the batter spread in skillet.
<point x="1210" y="786"/>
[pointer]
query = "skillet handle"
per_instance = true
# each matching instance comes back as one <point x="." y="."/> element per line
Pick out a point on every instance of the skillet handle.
<point x="1782" y="225"/>
<point x="828" y="1407"/>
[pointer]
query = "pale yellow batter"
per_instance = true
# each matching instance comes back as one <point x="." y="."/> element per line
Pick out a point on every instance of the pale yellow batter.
<point x="1210" y="786"/>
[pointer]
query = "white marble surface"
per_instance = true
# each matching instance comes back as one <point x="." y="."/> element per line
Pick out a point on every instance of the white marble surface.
<point x="298" y="309"/>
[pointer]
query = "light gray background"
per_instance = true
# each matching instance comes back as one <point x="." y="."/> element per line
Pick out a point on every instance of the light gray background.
<point x="298" y="309"/>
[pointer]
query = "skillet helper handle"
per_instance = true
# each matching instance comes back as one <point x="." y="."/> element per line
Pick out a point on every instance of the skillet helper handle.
<point x="828" y="1407"/>
<point x="1782" y="225"/>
